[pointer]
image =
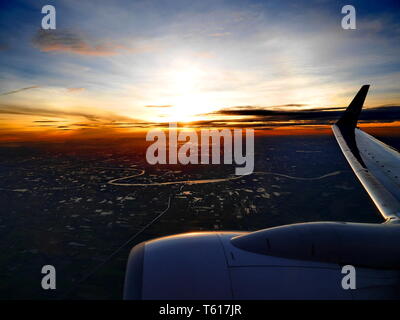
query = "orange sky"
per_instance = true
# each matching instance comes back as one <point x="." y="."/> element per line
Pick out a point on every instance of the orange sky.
<point x="114" y="69"/>
<point x="55" y="135"/>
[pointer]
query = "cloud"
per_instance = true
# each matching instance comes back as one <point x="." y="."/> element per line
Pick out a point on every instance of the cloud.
<point x="52" y="112"/>
<point x="294" y="105"/>
<point x="257" y="117"/>
<point x="45" y="121"/>
<point x="219" y="34"/>
<point x="68" y="41"/>
<point x="159" y="106"/>
<point x="18" y="90"/>
<point x="75" y="89"/>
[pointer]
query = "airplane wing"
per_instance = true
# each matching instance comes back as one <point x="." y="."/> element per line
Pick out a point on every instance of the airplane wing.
<point x="375" y="164"/>
<point x="296" y="261"/>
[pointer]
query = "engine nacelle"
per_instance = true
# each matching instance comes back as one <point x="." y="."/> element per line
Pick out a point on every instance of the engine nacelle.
<point x="238" y="265"/>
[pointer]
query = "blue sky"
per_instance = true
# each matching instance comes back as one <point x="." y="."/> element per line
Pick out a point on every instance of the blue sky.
<point x="114" y="59"/>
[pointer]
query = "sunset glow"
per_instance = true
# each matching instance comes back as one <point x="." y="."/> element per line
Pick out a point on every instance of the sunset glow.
<point x="191" y="66"/>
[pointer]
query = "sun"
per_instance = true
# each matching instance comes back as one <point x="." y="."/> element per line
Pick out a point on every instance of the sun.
<point x="187" y="108"/>
<point x="186" y="87"/>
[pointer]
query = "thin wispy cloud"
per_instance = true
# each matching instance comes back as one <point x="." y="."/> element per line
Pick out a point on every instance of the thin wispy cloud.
<point x="18" y="90"/>
<point x="75" y="89"/>
<point x="73" y="42"/>
<point x="45" y="121"/>
<point x="68" y="41"/>
<point x="159" y="106"/>
<point x="220" y="34"/>
<point x="53" y="112"/>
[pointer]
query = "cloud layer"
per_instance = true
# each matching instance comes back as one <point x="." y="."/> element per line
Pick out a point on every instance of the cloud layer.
<point x="67" y="41"/>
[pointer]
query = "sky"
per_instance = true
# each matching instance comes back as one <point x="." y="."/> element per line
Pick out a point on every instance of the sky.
<point x="135" y="64"/>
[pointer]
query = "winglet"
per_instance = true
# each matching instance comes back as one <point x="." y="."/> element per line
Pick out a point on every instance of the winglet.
<point x="373" y="162"/>
<point x="350" y="116"/>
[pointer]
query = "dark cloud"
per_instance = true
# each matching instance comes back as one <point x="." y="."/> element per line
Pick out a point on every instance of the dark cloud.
<point x="45" y="121"/>
<point x="45" y="126"/>
<point x="294" y="105"/>
<point x="18" y="90"/>
<point x="259" y="117"/>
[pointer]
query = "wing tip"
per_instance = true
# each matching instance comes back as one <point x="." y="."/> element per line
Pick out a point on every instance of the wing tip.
<point x="349" y="118"/>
